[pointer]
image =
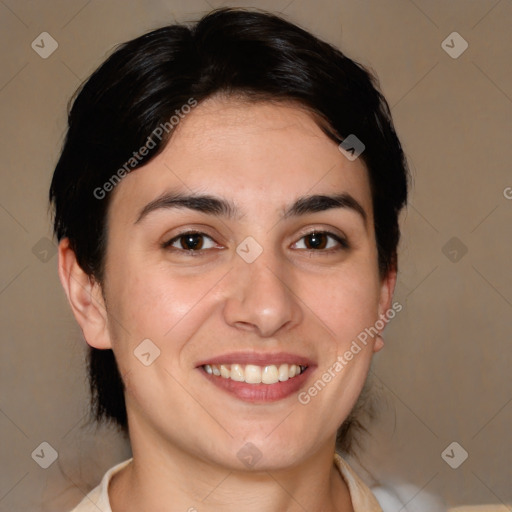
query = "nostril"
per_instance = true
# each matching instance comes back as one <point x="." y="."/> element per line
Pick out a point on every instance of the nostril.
<point x="246" y="326"/>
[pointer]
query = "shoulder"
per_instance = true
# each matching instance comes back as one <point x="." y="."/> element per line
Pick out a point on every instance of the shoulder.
<point x="362" y="497"/>
<point x="385" y="498"/>
<point x="97" y="499"/>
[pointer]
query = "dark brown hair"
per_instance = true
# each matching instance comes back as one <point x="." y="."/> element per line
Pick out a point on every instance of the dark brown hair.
<point x="251" y="54"/>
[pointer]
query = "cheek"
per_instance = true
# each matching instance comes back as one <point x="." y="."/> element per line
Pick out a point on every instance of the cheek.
<point x="346" y="302"/>
<point x="151" y="302"/>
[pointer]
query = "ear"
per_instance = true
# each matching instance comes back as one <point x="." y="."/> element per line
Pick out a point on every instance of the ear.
<point x="85" y="297"/>
<point x="387" y="288"/>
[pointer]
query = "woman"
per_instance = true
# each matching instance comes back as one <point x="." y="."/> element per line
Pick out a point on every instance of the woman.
<point x="226" y="204"/>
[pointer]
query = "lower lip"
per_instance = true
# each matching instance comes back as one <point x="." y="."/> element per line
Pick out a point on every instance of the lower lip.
<point x="259" y="393"/>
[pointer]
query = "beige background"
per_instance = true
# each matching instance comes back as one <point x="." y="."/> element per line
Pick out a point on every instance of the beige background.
<point x="444" y="375"/>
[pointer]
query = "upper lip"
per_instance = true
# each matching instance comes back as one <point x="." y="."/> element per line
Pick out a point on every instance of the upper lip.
<point x="258" y="359"/>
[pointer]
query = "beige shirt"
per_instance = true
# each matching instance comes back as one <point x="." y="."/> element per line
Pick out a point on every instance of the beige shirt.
<point x="362" y="498"/>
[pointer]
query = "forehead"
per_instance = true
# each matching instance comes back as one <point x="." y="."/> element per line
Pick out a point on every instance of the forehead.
<point x="258" y="155"/>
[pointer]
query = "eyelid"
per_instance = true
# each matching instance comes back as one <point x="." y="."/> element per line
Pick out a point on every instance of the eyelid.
<point x="192" y="227"/>
<point x="321" y="228"/>
<point x="335" y="233"/>
<point x="168" y="241"/>
<point x="339" y="237"/>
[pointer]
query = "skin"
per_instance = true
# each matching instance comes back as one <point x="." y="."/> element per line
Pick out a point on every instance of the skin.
<point x="184" y="431"/>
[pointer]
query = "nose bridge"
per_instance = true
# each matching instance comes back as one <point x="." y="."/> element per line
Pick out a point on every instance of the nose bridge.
<point x="261" y="295"/>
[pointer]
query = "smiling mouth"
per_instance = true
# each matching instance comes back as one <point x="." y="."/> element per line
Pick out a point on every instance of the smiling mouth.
<point x="254" y="374"/>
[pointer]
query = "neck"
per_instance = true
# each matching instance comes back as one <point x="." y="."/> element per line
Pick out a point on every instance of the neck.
<point x="172" y="479"/>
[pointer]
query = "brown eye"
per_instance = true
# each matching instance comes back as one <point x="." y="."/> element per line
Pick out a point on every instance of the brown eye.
<point x="321" y="241"/>
<point x="316" y="240"/>
<point x="191" y="242"/>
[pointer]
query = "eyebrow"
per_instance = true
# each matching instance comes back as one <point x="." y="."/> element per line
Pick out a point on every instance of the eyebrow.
<point x="220" y="207"/>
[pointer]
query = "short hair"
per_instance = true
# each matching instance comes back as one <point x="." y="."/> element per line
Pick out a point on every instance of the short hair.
<point x="253" y="55"/>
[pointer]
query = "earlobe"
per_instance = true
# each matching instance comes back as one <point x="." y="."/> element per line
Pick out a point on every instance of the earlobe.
<point x="379" y="343"/>
<point x="85" y="298"/>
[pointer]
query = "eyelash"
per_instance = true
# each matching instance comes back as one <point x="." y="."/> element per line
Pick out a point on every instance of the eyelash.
<point x="343" y="243"/>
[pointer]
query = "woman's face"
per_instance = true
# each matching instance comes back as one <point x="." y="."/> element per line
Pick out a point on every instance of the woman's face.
<point x="275" y="266"/>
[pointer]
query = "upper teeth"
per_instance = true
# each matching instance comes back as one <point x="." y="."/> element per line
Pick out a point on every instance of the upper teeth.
<point x="253" y="374"/>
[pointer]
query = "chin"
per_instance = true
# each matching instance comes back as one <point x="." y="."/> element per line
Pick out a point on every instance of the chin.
<point x="260" y="453"/>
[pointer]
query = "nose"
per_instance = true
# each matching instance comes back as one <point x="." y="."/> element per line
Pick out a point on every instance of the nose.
<point x="261" y="297"/>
